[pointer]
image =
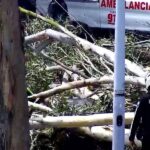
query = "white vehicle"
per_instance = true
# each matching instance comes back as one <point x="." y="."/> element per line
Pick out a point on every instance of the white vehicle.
<point x="101" y="13"/>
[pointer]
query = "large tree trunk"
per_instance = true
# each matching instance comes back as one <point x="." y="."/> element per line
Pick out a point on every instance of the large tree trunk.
<point x="14" y="126"/>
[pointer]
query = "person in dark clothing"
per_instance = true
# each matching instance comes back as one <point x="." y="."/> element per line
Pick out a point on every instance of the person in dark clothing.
<point x="57" y="10"/>
<point x="28" y="4"/>
<point x="142" y="114"/>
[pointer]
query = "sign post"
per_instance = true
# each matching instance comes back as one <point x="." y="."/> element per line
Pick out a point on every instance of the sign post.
<point x="119" y="78"/>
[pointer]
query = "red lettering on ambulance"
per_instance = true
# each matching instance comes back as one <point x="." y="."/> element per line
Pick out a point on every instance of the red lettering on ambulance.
<point x="149" y="7"/>
<point x="137" y="5"/>
<point x="142" y="5"/>
<point x="109" y="3"/>
<point x="103" y="4"/>
<point x="131" y="5"/>
<point x="126" y="7"/>
<point x="111" y="18"/>
<point x="114" y="4"/>
<point x="146" y="6"/>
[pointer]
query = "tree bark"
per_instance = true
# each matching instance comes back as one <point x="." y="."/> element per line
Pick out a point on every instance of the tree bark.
<point x="14" y="126"/>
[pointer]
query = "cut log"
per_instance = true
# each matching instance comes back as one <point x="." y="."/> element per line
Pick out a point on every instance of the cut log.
<point x="79" y="121"/>
<point x="101" y="133"/>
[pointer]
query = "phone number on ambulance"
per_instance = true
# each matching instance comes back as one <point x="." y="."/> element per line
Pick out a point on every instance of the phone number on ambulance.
<point x="111" y="18"/>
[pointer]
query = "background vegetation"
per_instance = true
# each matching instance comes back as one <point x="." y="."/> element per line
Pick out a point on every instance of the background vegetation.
<point x="40" y="78"/>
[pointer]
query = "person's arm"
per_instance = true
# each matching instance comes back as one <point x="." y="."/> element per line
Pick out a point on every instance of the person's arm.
<point x="136" y="121"/>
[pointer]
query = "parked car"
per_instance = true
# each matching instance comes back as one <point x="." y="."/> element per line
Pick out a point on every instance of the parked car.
<point x="101" y="13"/>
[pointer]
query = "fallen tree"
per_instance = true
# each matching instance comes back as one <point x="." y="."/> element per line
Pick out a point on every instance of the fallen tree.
<point x="77" y="78"/>
<point x="86" y="82"/>
<point x="101" y="133"/>
<point x="86" y="45"/>
<point x="79" y="121"/>
<point x="105" y="134"/>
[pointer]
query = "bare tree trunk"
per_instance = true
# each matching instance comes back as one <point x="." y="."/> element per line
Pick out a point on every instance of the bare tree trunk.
<point x="14" y="126"/>
<point x="77" y="121"/>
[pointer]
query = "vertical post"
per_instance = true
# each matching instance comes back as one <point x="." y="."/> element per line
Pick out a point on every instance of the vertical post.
<point x="14" y="125"/>
<point x="119" y="75"/>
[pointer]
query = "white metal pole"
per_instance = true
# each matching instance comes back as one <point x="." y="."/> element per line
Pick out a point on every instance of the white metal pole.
<point x="119" y="77"/>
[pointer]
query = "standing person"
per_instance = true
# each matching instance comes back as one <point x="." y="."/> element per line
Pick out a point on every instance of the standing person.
<point x="57" y="9"/>
<point x="142" y="113"/>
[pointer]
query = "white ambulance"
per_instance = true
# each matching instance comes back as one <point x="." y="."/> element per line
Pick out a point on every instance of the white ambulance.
<point x="101" y="13"/>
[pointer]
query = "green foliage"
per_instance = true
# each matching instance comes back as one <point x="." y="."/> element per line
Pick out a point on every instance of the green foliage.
<point x="39" y="78"/>
<point x="138" y="53"/>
